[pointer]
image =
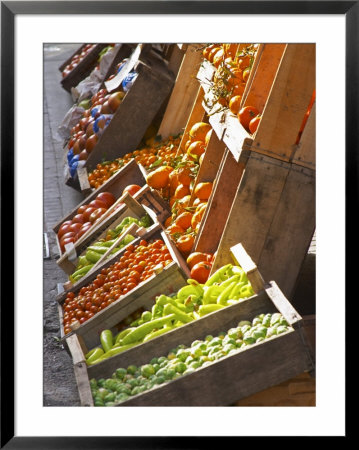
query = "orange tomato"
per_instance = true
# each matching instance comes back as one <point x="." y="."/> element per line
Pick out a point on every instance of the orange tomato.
<point x="195" y="258"/>
<point x="159" y="178"/>
<point x="181" y="191"/>
<point x="199" y="130"/>
<point x="185" y="244"/>
<point x="234" y="104"/>
<point x="203" y="190"/>
<point x="184" y="220"/>
<point x="253" y="124"/>
<point x="246" y="114"/>
<point x="200" y="271"/>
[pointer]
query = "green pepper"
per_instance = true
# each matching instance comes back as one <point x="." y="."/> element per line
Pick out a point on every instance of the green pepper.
<point x="91" y="352"/>
<point x="100" y="249"/>
<point x="106" y="339"/>
<point x="206" y="309"/>
<point x="115" y="350"/>
<point x="95" y="355"/>
<point x="230" y="280"/>
<point x="82" y="271"/>
<point x="156" y="333"/>
<point x="157" y="311"/>
<point x="183" y="317"/>
<point x="188" y="290"/>
<point x="222" y="299"/>
<point x="211" y="293"/>
<point x="218" y="276"/>
<point x="92" y="256"/>
<point x="122" y="334"/>
<point x="104" y="243"/>
<point x="141" y="331"/>
<point x="163" y="300"/>
<point x="235" y="293"/>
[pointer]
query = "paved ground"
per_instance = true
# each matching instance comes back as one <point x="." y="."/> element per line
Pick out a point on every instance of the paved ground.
<point x="58" y="377"/>
<point x="59" y="382"/>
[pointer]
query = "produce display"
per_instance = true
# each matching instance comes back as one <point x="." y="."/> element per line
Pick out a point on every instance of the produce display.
<point x="98" y="113"/>
<point x="180" y="361"/>
<point x="154" y="154"/>
<point x="233" y="64"/>
<point x="137" y="264"/>
<point x="95" y="251"/>
<point x="205" y="170"/>
<point x="87" y="215"/>
<point x="227" y="286"/>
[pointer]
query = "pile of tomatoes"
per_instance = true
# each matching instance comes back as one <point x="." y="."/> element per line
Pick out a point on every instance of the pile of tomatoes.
<point x="136" y="265"/>
<point x="76" y="59"/>
<point x="71" y="230"/>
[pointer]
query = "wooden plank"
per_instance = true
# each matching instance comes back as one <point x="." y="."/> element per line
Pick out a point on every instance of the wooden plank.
<point x="282" y="304"/>
<point x="134" y="115"/>
<point x="287" y="102"/>
<point x="252" y="73"/>
<point x="264" y="73"/>
<point x="290" y="232"/>
<point x="219" y="205"/>
<point x="174" y="56"/>
<point x="236" y="138"/>
<point x="254" y="205"/>
<point x="305" y="151"/>
<point x="255" y="278"/>
<point x="183" y="94"/>
<point x="83" y="384"/>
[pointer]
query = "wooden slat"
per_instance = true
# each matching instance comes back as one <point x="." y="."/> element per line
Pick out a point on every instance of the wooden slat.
<point x="242" y="258"/>
<point x="252" y="73"/>
<point x="183" y="94"/>
<point x="83" y="384"/>
<point x="219" y="205"/>
<point x="254" y="205"/>
<point x="264" y="72"/>
<point x="287" y="102"/>
<point x="132" y="118"/>
<point x="305" y="152"/>
<point x="290" y="232"/>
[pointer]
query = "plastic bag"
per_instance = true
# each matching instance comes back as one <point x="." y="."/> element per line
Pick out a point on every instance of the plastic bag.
<point x="71" y="118"/>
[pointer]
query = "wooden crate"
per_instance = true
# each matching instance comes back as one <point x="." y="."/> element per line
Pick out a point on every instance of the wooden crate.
<point x="135" y="114"/>
<point x="183" y="93"/>
<point x="260" y="366"/>
<point x="129" y="174"/>
<point x="273" y="215"/>
<point x="83" y="69"/>
<point x="170" y="279"/>
<point x="281" y="85"/>
<point x="131" y="208"/>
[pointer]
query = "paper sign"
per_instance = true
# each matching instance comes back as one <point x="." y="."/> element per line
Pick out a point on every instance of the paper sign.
<point x="126" y="69"/>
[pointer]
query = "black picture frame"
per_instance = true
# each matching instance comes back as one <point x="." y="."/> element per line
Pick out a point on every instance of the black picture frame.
<point x="9" y="9"/>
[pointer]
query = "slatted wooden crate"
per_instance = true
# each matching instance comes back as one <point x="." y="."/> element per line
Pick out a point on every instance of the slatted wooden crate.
<point x="130" y="208"/>
<point x="83" y="69"/>
<point x="273" y="215"/>
<point x="258" y="367"/>
<point x="280" y="86"/>
<point x="170" y="279"/>
<point x="135" y="113"/>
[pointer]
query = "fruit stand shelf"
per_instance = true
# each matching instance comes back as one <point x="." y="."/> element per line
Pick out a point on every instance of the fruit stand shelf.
<point x="257" y="367"/>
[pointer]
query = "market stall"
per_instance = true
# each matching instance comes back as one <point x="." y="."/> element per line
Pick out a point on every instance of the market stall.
<point x="196" y="163"/>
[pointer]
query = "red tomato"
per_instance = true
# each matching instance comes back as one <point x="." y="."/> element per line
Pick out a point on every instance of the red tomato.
<point x="98" y="204"/>
<point x="82" y="209"/>
<point x="76" y="227"/>
<point x="96" y="214"/>
<point x="83" y="230"/>
<point x="70" y="234"/>
<point x="131" y="189"/>
<point x="107" y="198"/>
<point x="88" y="211"/>
<point x="64" y="242"/>
<point x="246" y="114"/>
<point x="79" y="218"/>
<point x="63" y="230"/>
<point x="200" y="271"/>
